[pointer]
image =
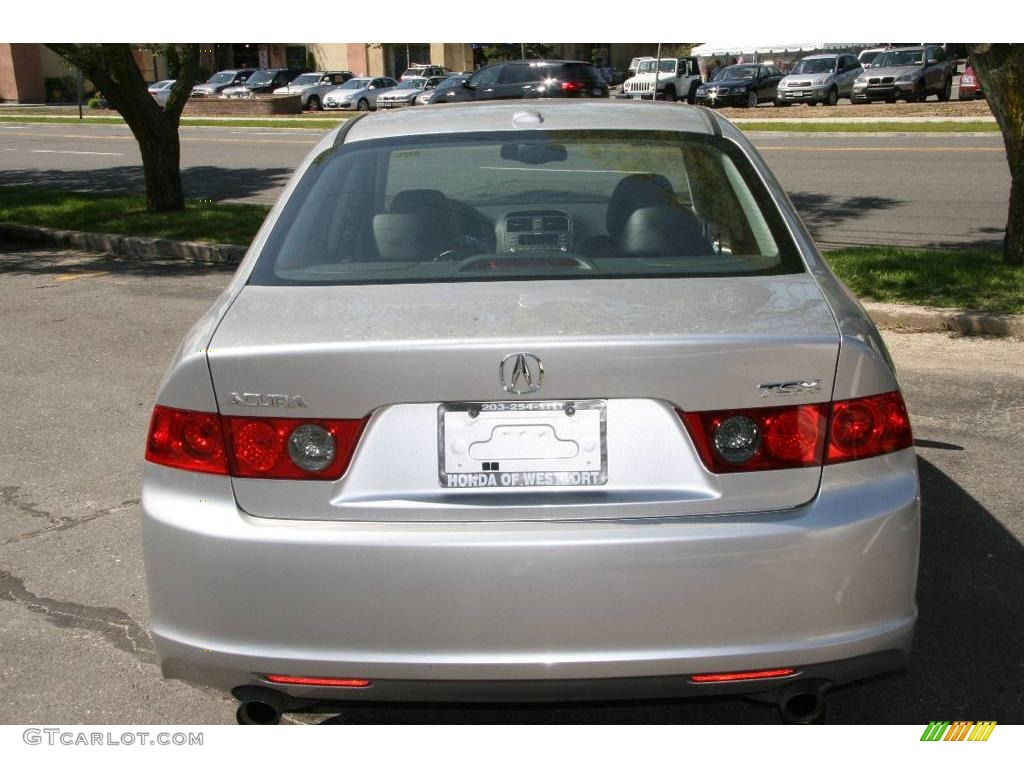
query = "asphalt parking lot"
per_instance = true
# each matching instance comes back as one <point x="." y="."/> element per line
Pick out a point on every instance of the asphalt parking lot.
<point x="85" y="341"/>
<point x="925" y="190"/>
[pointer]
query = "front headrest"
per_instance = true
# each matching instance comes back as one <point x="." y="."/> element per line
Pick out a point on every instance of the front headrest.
<point x="417" y="236"/>
<point x="660" y="231"/>
<point x="638" y="190"/>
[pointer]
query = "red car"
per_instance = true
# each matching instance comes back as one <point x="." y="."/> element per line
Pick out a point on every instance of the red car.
<point x="970" y="85"/>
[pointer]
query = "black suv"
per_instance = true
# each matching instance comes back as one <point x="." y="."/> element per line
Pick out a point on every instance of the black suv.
<point x="529" y="80"/>
<point x="266" y="80"/>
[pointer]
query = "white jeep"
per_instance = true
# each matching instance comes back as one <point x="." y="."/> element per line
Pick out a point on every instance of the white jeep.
<point x="676" y="79"/>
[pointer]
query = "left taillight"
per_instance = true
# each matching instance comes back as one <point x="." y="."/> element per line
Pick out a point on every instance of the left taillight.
<point x="572" y="85"/>
<point x="270" y="448"/>
<point x="191" y="440"/>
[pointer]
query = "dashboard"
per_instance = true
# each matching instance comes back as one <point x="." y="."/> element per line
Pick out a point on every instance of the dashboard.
<point x="536" y="230"/>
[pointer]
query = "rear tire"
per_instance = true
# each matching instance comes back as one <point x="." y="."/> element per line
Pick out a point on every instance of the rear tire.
<point x="691" y="97"/>
<point x="363" y="105"/>
<point x="833" y="97"/>
<point x="314" y="105"/>
<point x="947" y="90"/>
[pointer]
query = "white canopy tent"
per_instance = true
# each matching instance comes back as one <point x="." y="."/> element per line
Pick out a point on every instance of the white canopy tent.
<point x="707" y="50"/>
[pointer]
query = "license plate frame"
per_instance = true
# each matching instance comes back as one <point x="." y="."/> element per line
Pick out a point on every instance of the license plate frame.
<point x="514" y="475"/>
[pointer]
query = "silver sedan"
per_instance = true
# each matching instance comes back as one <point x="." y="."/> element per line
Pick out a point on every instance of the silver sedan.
<point x="525" y="401"/>
<point x="359" y="93"/>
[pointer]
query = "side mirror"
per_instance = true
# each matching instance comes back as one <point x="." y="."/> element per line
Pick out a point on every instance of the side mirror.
<point x="469" y="84"/>
<point x="932" y="61"/>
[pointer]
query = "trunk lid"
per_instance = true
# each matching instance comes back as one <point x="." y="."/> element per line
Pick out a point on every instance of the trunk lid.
<point x="644" y="347"/>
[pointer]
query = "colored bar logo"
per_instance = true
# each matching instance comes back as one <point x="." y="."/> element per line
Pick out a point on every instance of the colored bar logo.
<point x="959" y="730"/>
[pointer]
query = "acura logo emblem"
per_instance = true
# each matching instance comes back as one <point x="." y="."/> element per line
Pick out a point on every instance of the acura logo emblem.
<point x="520" y="373"/>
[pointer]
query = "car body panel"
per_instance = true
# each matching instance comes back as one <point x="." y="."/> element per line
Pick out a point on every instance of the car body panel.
<point x="503" y="601"/>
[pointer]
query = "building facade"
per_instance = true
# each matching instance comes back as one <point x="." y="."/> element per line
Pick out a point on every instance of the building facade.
<point x="32" y="73"/>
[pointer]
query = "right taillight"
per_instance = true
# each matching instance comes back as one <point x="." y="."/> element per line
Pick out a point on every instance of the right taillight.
<point x="868" y="426"/>
<point x="787" y="437"/>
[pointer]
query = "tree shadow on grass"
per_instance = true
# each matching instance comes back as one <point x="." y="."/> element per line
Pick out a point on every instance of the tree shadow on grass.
<point x="966" y="663"/>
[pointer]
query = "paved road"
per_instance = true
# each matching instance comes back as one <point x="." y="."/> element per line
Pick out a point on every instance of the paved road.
<point x="84" y="345"/>
<point x="910" y="190"/>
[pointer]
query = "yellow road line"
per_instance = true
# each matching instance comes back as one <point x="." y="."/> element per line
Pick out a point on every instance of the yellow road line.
<point x="883" y="149"/>
<point x="65" y="278"/>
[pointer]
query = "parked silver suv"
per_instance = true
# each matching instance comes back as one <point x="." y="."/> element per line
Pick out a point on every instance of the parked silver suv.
<point x="823" y="78"/>
<point x="906" y="73"/>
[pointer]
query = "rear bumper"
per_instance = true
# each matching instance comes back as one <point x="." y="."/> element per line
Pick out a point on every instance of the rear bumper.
<point x="534" y="610"/>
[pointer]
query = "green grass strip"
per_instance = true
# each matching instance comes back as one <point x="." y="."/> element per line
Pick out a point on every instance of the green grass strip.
<point x="962" y="279"/>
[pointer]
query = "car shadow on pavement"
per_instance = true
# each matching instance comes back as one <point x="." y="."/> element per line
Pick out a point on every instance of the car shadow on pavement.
<point x="967" y="662"/>
<point x="201" y="182"/>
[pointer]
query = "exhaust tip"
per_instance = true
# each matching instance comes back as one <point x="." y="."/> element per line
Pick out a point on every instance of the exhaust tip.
<point x="802" y="706"/>
<point x="257" y="713"/>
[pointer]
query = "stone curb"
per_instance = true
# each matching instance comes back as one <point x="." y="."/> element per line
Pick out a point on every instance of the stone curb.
<point x="903" y="317"/>
<point x="897" y="317"/>
<point x="123" y="245"/>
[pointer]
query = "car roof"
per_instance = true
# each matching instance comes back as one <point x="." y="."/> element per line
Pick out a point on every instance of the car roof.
<point x="825" y="55"/>
<point x="555" y="114"/>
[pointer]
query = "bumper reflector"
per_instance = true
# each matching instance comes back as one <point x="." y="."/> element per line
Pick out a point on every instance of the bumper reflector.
<point x="335" y="682"/>
<point x="728" y="677"/>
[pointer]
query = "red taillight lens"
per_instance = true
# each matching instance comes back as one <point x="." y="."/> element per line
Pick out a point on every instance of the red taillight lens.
<point x="790" y="436"/>
<point x="796" y="436"/>
<point x="868" y="426"/>
<point x="259" y="447"/>
<point x="187" y="440"/>
<point x="245" y="447"/>
<point x="570" y="85"/>
<point x="336" y="682"/>
<point x="728" y="677"/>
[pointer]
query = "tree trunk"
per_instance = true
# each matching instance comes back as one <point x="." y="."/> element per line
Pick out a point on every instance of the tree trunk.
<point x="160" y="150"/>
<point x="1013" y="245"/>
<point x="1000" y="68"/>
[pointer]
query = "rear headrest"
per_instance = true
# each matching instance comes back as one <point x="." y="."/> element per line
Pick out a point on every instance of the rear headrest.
<point x="638" y="190"/>
<point x="417" y="236"/>
<point x="661" y="231"/>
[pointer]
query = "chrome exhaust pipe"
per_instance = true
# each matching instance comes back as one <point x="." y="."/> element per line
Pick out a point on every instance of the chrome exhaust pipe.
<point x="802" y="704"/>
<point x="260" y="707"/>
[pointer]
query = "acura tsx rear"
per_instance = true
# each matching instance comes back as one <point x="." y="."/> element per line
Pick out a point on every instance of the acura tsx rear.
<point x="531" y="401"/>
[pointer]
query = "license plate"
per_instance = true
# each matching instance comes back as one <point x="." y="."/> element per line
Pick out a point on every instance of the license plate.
<point x="522" y="444"/>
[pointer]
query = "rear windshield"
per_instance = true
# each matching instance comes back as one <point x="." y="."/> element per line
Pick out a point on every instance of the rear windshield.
<point x="527" y="205"/>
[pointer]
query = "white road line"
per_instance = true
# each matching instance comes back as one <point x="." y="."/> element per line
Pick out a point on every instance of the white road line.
<point x="73" y="152"/>
<point x="551" y="170"/>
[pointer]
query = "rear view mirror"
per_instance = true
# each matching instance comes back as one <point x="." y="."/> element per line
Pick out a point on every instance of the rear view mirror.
<point x="534" y="153"/>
